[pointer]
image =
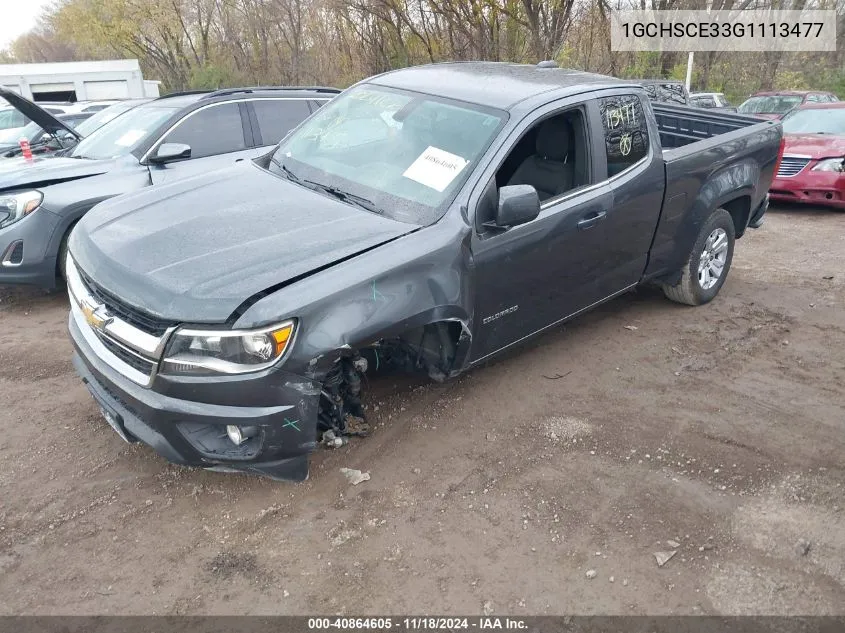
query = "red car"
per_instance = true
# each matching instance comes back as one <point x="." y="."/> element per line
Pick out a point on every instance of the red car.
<point x="812" y="169"/>
<point x="775" y="104"/>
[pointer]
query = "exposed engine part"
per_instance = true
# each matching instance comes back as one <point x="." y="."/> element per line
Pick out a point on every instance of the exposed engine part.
<point x="341" y="396"/>
<point x="430" y="349"/>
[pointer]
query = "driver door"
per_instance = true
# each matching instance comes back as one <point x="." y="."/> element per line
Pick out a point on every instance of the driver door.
<point x="533" y="275"/>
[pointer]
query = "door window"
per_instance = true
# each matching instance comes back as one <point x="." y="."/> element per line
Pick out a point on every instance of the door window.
<point x="625" y="132"/>
<point x="277" y="117"/>
<point x="214" y="130"/>
<point x="552" y="156"/>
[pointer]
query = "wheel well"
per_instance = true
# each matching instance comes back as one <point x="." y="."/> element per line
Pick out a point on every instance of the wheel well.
<point x="433" y="348"/>
<point x="740" y="210"/>
<point x="62" y="241"/>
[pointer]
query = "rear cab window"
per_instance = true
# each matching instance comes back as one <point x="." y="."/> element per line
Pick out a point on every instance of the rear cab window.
<point x="625" y="132"/>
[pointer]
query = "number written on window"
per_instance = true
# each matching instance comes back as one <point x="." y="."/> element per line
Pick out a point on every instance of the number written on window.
<point x="625" y="131"/>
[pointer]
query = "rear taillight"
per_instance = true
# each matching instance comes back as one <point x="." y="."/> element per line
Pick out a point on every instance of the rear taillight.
<point x="780" y="156"/>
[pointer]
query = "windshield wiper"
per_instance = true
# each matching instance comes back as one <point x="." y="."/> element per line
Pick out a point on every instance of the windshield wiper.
<point x="345" y="196"/>
<point x="290" y="175"/>
<point x="340" y="194"/>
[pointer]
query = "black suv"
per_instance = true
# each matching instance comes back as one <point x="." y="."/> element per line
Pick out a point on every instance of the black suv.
<point x="169" y="138"/>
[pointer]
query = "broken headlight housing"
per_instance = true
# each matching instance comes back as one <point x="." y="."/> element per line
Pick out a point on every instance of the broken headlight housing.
<point x="16" y="206"/>
<point x="196" y="352"/>
<point x="830" y="164"/>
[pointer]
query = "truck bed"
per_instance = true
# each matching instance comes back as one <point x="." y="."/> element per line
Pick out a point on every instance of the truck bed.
<point x="710" y="159"/>
<point x="705" y="140"/>
<point x="680" y="125"/>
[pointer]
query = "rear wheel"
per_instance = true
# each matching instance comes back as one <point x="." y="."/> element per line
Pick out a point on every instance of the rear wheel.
<point x="708" y="264"/>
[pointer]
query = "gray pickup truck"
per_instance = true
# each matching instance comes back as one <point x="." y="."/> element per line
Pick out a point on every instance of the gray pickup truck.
<point x="425" y="219"/>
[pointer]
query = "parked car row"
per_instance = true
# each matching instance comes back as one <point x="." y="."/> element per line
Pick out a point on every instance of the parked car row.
<point x="13" y="120"/>
<point x="157" y="141"/>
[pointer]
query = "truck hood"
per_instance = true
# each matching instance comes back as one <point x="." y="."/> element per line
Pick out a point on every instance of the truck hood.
<point x="194" y="250"/>
<point x="814" y="145"/>
<point x="33" y="112"/>
<point x="43" y="170"/>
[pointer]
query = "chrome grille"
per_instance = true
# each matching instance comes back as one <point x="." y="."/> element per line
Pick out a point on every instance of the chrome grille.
<point x="143" y="365"/>
<point x="791" y="165"/>
<point x="122" y="336"/>
<point x="138" y="318"/>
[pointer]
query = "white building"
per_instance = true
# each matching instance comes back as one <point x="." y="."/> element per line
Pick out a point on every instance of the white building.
<point x="78" y="81"/>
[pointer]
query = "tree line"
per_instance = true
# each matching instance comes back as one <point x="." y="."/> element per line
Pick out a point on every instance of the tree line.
<point x="192" y="44"/>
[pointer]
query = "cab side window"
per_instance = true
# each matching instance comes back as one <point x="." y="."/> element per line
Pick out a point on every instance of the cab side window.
<point x="214" y="130"/>
<point x="552" y="156"/>
<point x="625" y="132"/>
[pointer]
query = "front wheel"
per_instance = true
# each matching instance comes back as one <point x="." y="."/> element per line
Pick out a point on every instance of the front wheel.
<point x="708" y="264"/>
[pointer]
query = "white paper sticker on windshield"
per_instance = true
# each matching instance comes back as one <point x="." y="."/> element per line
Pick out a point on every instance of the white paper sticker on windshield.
<point x="130" y="138"/>
<point x="435" y="168"/>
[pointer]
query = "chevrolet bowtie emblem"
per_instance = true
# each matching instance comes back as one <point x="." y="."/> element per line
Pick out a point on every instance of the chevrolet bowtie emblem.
<point x="95" y="317"/>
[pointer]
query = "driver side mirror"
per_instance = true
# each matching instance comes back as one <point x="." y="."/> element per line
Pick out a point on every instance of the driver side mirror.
<point x="169" y="152"/>
<point x="518" y="204"/>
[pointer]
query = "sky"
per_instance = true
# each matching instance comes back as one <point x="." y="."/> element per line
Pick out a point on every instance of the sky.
<point x="18" y="17"/>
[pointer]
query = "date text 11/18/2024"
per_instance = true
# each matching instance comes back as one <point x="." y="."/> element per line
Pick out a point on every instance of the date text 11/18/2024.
<point x="416" y="623"/>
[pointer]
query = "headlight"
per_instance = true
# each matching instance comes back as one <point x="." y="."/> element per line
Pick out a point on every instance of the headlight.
<point x="15" y="206"/>
<point x="208" y="352"/>
<point x="830" y="164"/>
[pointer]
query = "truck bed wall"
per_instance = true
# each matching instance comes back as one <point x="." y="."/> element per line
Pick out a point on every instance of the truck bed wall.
<point x="732" y="168"/>
<point x="679" y="125"/>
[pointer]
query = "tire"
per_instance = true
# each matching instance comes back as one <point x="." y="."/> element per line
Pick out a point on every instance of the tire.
<point x="701" y="282"/>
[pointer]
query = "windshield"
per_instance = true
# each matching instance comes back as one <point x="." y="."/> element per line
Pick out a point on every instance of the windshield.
<point x="772" y="104"/>
<point x="104" y="116"/>
<point x="123" y="134"/>
<point x="816" y="121"/>
<point x="405" y="153"/>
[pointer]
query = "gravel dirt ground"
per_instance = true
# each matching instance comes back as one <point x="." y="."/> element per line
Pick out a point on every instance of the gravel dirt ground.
<point x="717" y="433"/>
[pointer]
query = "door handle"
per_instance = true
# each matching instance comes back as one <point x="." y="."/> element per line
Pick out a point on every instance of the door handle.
<point x="589" y="221"/>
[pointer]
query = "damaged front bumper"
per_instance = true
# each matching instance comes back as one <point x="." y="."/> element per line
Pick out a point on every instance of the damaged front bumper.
<point x="184" y="419"/>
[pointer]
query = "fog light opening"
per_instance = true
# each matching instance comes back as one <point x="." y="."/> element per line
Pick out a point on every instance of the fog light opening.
<point x="240" y="434"/>
<point x="828" y="195"/>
